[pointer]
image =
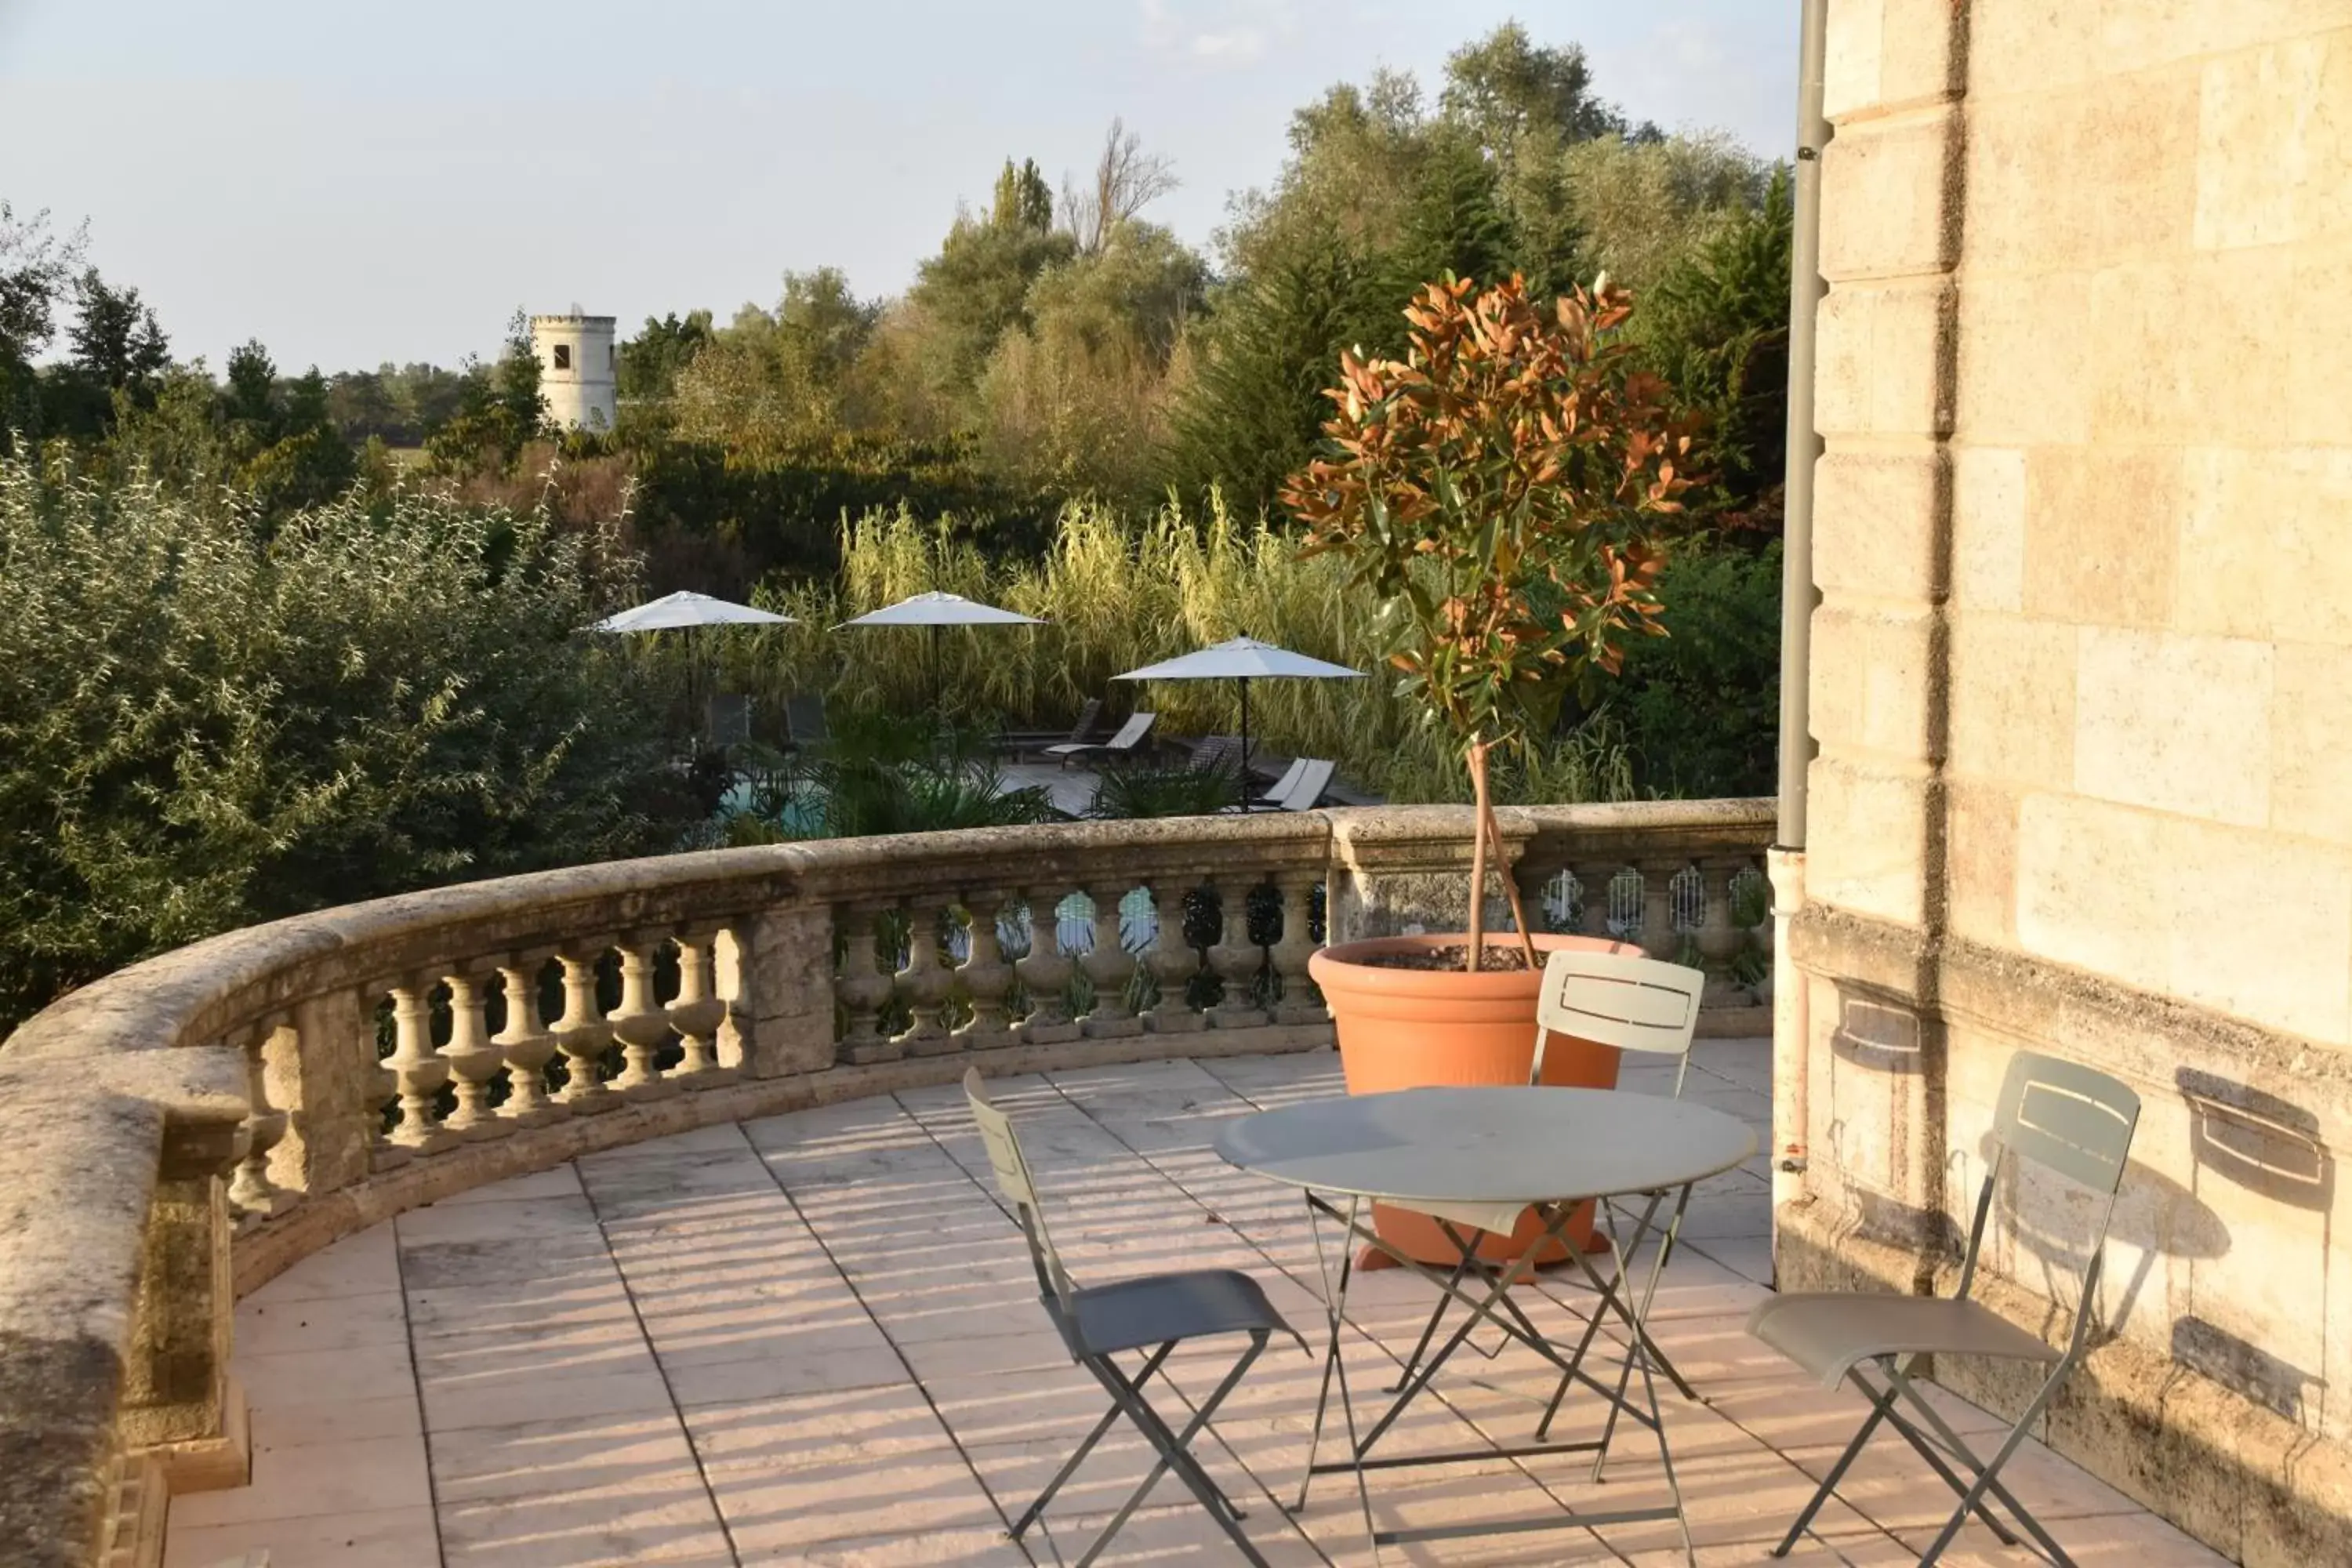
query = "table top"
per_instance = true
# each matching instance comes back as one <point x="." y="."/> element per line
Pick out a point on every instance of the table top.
<point x="1514" y="1145"/>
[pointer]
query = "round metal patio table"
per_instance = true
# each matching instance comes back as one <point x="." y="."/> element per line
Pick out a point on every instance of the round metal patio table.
<point x="1473" y="1157"/>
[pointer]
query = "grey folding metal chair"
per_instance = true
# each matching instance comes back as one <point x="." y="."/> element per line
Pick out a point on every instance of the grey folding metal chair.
<point x="1634" y="1004"/>
<point x="1148" y="1314"/>
<point x="2069" y="1119"/>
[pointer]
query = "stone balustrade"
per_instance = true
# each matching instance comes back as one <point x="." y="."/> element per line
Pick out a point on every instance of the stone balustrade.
<point x="179" y="1132"/>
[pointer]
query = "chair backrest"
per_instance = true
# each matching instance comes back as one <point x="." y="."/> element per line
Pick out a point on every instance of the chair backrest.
<point x="1619" y="999"/>
<point x="1130" y="734"/>
<point x="1018" y="1187"/>
<point x="1282" y="786"/>
<point x="1307" y="789"/>
<point x="1088" y="717"/>
<point x="730" y="716"/>
<point x="2075" y="1119"/>
<point x="804" y="718"/>
<point x="1211" y="751"/>
<point x="2067" y="1118"/>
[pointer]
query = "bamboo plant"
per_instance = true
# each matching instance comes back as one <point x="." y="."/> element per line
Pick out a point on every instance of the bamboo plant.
<point x="1506" y="492"/>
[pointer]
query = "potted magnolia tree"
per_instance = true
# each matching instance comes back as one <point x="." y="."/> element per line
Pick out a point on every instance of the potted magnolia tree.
<point x="1504" y="494"/>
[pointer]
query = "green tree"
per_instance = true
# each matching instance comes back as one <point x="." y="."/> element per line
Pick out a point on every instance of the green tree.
<point x="116" y="340"/>
<point x="498" y="409"/>
<point x="976" y="288"/>
<point x="35" y="270"/>
<point x="251" y="395"/>
<point x="651" y="360"/>
<point x="1077" y="400"/>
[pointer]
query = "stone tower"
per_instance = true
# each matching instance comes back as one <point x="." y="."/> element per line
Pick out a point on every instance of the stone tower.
<point x="576" y="366"/>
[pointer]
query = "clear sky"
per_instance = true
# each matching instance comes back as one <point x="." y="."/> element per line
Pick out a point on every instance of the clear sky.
<point x="355" y="182"/>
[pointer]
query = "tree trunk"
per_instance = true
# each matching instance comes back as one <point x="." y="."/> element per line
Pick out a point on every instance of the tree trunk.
<point x="1477" y="758"/>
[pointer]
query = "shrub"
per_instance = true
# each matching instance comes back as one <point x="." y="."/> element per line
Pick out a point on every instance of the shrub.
<point x="208" y="723"/>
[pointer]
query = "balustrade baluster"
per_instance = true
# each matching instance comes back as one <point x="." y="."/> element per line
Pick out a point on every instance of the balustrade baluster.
<point x="730" y="966"/>
<point x="1044" y="971"/>
<point x="525" y="1045"/>
<point x="925" y="982"/>
<point x="1237" y="962"/>
<point x="1173" y="961"/>
<point x="1660" y="940"/>
<point x="473" y="1061"/>
<point x="640" y="1022"/>
<point x="254" y="1194"/>
<point x="1595" y="889"/>
<point x="1718" y="939"/>
<point x="697" y="1013"/>
<point x="582" y="1034"/>
<point x="1301" y="1001"/>
<point x="1109" y="965"/>
<point x="986" y="978"/>
<point x="417" y="1070"/>
<point x="864" y="990"/>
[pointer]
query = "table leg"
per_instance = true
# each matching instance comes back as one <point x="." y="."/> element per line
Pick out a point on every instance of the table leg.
<point x="1359" y="1460"/>
<point x="1335" y="1307"/>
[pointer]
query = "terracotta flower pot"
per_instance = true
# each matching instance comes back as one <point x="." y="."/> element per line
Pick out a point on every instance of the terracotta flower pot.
<point x="1407" y="1028"/>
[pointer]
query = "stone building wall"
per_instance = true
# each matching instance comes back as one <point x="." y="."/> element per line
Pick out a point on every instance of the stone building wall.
<point x="2082" y="688"/>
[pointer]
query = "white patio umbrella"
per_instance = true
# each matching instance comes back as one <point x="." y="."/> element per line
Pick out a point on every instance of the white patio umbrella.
<point x="674" y="612"/>
<point x="1244" y="659"/>
<point x="684" y="611"/>
<point x="938" y="611"/>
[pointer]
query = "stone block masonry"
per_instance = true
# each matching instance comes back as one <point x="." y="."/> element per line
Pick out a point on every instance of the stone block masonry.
<point x="2089" y="447"/>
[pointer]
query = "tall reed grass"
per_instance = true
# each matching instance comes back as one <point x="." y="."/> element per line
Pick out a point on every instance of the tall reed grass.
<point x="1116" y="591"/>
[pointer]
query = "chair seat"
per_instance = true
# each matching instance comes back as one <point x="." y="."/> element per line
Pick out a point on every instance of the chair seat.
<point x="1828" y="1333"/>
<point x="1154" y="1309"/>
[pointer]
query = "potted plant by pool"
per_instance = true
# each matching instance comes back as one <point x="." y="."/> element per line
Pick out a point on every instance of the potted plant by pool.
<point x="1504" y="492"/>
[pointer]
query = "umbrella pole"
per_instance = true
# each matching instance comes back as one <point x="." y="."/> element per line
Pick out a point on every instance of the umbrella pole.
<point x="1241" y="768"/>
<point x="937" y="710"/>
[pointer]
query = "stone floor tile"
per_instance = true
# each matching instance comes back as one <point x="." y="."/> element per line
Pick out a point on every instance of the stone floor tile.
<point x="294" y="1425"/>
<point x="560" y="1181"/>
<point x="332" y="1323"/>
<point x="513" y="1306"/>
<point x="1001" y="1407"/>
<point x="725" y="1137"/>
<point x="477" y="1464"/>
<point x="655" y="1516"/>
<point x="564" y="1217"/>
<point x="325" y="1377"/>
<point x="773" y="1510"/>
<point x="574" y="1257"/>
<point x="2138" y="1540"/>
<point x="1748" y="1256"/>
<point x="534" y="1393"/>
<point x="1028" y="1349"/>
<point x="982" y="1546"/>
<point x="1183" y="1532"/>
<point x="1891" y="1484"/>
<point x="360" y="1265"/>
<point x="854" y="1357"/>
<point x="872" y="1425"/>
<point x="387" y="1537"/>
<point x="363" y="1475"/>
<point x="1744" y="1499"/>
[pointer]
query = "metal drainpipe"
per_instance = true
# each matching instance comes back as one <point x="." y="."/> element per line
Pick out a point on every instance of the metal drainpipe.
<point x="1797" y="598"/>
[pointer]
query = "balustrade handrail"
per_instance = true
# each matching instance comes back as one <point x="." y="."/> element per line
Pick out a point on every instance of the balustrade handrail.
<point x="729" y="999"/>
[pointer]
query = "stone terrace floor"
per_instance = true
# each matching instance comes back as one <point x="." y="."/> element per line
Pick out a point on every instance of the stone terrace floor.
<point x="814" y="1339"/>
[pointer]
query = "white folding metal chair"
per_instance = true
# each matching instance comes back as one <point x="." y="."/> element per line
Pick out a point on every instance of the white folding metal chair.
<point x="2066" y="1118"/>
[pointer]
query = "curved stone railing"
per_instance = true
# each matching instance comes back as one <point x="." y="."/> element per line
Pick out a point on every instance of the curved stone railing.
<point x="178" y="1133"/>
